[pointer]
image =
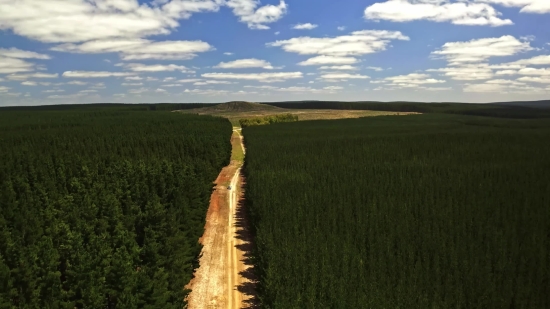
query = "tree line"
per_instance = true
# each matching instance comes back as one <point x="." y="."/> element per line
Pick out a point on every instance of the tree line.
<point x="103" y="208"/>
<point x="258" y="121"/>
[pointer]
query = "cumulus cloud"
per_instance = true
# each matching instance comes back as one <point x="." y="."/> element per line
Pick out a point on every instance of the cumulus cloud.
<point x="481" y="49"/>
<point x="377" y="69"/>
<point x="139" y="49"/>
<point x="466" y="72"/>
<point x="307" y="26"/>
<point x="541" y="80"/>
<point x="29" y="83"/>
<point x="77" y="82"/>
<point x="94" y="74"/>
<point x="500" y="88"/>
<point x="342" y="76"/>
<point x="527" y="6"/>
<point x="22" y="54"/>
<point x="138" y="67"/>
<point x="4" y="89"/>
<point x="14" y="65"/>
<point x="261" y="77"/>
<point x="321" y="60"/>
<point x="80" y="20"/>
<point x="338" y="67"/>
<point x="245" y="63"/>
<point x="357" y="43"/>
<point x="212" y="82"/>
<point x="256" y="18"/>
<point x="412" y="80"/>
<point x="31" y="75"/>
<point x="459" y="13"/>
<point x="538" y="60"/>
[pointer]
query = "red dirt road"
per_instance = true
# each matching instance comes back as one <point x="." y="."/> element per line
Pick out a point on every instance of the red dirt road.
<point x="224" y="278"/>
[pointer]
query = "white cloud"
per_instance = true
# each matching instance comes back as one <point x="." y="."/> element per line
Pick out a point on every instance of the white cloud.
<point x="377" y="69"/>
<point x="94" y="74"/>
<point x="80" y="20"/>
<point x="189" y="80"/>
<point x="466" y="72"/>
<point x="277" y="32"/>
<point x="322" y="60"/>
<point x="338" y="67"/>
<point x="460" y="13"/>
<point x="138" y="67"/>
<point x="527" y="6"/>
<point x="434" y="88"/>
<point x="168" y="79"/>
<point x="14" y="65"/>
<point x="77" y="82"/>
<point x="29" y="83"/>
<point x="160" y="90"/>
<point x="357" y="43"/>
<point x="533" y="71"/>
<point x="538" y="60"/>
<point x="307" y="26"/>
<point x="139" y="49"/>
<point x="132" y="84"/>
<point x="541" y="80"/>
<point x="228" y="54"/>
<point x="212" y="82"/>
<point x="31" y="75"/>
<point x="254" y="17"/>
<point x="99" y="86"/>
<point x="481" y="49"/>
<point x="341" y="28"/>
<point x="133" y="78"/>
<point x="504" y="82"/>
<point x="343" y="76"/>
<point x="506" y="72"/>
<point x="412" y="80"/>
<point x="333" y="88"/>
<point x="137" y="91"/>
<point x="4" y="89"/>
<point x="22" y="54"/>
<point x="245" y="63"/>
<point x="261" y="77"/>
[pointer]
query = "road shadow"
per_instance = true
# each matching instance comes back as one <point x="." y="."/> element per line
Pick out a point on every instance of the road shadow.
<point x="244" y="234"/>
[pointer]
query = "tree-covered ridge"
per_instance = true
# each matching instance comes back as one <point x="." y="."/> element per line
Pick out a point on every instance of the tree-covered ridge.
<point x="258" y="121"/>
<point x="103" y="209"/>
<point x="422" y="211"/>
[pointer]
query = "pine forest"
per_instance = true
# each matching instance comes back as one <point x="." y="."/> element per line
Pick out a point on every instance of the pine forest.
<point x="103" y="207"/>
<point x="420" y="211"/>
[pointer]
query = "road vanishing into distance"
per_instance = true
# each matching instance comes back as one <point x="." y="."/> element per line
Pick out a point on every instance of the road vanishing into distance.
<point x="218" y="281"/>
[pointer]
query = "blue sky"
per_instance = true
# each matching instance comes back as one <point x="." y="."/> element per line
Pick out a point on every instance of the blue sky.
<point x="84" y="51"/>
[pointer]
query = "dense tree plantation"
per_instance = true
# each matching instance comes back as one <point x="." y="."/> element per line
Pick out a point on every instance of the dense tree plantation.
<point x="421" y="211"/>
<point x="103" y="208"/>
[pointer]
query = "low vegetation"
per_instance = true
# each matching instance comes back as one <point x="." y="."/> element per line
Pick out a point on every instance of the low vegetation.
<point x="423" y="211"/>
<point x="257" y="121"/>
<point x="103" y="207"/>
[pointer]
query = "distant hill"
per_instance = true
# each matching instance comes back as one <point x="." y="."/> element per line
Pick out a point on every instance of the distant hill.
<point x="236" y="106"/>
<point x="538" y="104"/>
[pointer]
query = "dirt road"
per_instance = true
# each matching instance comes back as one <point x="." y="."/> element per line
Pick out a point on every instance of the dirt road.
<point x="224" y="278"/>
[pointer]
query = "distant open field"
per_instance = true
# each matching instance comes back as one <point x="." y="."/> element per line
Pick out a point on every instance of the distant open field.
<point x="234" y="111"/>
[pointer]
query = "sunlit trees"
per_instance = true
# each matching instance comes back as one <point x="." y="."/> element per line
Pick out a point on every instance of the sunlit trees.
<point x="103" y="208"/>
